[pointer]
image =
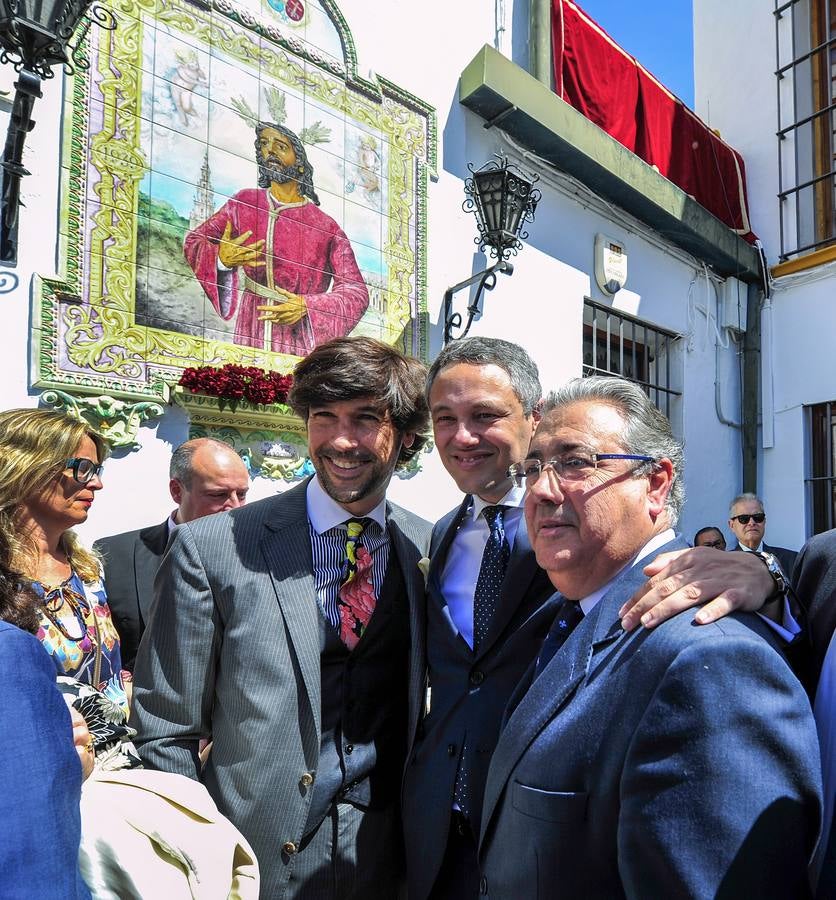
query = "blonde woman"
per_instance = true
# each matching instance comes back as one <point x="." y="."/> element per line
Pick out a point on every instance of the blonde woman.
<point x="144" y="834"/>
<point x="50" y="471"/>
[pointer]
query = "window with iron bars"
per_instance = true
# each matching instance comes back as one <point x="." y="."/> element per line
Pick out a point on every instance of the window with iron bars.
<point x="805" y="37"/>
<point x="821" y="480"/>
<point x="615" y="343"/>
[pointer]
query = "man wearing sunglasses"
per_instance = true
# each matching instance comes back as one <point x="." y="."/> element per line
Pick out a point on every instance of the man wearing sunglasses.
<point x="748" y="522"/>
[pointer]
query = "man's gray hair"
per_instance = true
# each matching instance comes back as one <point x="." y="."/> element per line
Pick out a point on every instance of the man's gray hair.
<point x="180" y="467"/>
<point x="745" y="498"/>
<point x="486" y="351"/>
<point x="647" y="432"/>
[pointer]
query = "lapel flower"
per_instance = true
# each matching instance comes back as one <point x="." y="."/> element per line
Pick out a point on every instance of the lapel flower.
<point x="424" y="566"/>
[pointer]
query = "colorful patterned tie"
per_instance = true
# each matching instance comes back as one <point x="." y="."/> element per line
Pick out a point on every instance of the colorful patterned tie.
<point x="569" y="614"/>
<point x="356" y="598"/>
<point x="495" y="558"/>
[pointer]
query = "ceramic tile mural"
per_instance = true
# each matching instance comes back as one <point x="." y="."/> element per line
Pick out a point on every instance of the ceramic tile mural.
<point x="232" y="192"/>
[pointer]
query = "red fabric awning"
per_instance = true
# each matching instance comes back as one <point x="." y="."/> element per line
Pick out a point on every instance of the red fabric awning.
<point x="613" y="90"/>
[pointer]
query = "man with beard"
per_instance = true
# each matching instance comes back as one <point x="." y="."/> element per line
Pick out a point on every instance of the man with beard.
<point x="274" y="258"/>
<point x="290" y="631"/>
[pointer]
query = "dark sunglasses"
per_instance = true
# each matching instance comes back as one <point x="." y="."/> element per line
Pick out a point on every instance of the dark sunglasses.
<point x="84" y="470"/>
<point x="743" y="518"/>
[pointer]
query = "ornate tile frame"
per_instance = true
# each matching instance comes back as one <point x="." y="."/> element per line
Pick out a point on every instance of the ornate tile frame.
<point x="85" y="340"/>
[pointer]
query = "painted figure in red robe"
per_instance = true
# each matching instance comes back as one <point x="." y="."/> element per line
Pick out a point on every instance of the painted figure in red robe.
<point x="272" y="256"/>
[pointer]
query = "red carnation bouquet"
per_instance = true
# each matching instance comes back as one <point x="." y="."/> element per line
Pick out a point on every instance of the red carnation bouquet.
<point x="232" y="383"/>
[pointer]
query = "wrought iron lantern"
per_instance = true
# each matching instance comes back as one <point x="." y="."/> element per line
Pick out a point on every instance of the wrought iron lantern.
<point x="34" y="36"/>
<point x="504" y="199"/>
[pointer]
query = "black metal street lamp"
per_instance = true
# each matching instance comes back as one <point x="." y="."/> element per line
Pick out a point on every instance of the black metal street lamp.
<point x="34" y="36"/>
<point x="504" y="199"/>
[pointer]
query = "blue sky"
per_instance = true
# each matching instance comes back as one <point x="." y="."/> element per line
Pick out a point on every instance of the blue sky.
<point x="659" y="33"/>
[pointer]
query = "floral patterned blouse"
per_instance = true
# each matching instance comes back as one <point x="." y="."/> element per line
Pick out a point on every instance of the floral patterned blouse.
<point x="74" y="619"/>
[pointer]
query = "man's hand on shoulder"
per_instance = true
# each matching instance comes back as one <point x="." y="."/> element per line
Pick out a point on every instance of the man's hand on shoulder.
<point x="724" y="582"/>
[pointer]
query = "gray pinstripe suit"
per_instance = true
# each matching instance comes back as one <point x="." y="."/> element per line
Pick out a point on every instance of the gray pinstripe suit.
<point x="232" y="650"/>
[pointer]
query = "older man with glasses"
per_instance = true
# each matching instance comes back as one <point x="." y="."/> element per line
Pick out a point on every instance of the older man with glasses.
<point x="677" y="762"/>
<point x="747" y="520"/>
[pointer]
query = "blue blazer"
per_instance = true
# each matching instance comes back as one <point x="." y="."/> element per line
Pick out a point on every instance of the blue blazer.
<point x="40" y="777"/>
<point x="680" y="762"/>
<point x="468" y="695"/>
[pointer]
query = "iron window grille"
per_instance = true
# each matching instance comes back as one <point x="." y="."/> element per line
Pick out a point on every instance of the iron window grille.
<point x="615" y="343"/>
<point x="805" y="40"/>
<point x="821" y="481"/>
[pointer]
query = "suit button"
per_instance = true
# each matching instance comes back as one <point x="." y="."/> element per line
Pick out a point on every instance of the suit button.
<point x="483" y="885"/>
<point x="349" y="748"/>
<point x="477" y="676"/>
<point x="451" y="749"/>
<point x="306" y="780"/>
<point x="289" y="848"/>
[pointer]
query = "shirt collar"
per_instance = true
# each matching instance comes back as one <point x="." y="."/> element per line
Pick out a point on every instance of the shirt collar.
<point x="172" y="522"/>
<point x="745" y="549"/>
<point x="658" y="540"/>
<point x="325" y="513"/>
<point x="514" y="499"/>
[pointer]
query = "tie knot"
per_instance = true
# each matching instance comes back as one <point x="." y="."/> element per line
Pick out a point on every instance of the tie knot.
<point x="491" y="514"/>
<point x="355" y="527"/>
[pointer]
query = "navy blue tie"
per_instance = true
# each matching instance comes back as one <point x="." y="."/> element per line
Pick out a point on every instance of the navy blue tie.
<point x="495" y="558"/>
<point x="569" y="614"/>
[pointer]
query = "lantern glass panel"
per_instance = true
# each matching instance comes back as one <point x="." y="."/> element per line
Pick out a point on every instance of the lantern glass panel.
<point x="489" y="190"/>
<point x="42" y="14"/>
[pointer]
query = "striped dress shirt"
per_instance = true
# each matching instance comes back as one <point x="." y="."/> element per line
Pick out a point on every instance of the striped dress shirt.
<point x="327" y="524"/>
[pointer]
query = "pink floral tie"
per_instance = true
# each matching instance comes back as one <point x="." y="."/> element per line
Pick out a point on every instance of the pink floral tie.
<point x="356" y="596"/>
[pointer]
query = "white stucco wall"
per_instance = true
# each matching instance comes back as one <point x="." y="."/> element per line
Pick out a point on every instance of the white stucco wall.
<point x="735" y="90"/>
<point x="540" y="306"/>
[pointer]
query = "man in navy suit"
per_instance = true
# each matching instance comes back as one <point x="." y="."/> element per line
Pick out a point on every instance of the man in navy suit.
<point x="677" y="762"/>
<point x="483" y="395"/>
<point x="205" y="476"/>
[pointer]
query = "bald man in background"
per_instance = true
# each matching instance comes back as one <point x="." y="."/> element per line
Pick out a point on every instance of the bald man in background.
<point x="206" y="476"/>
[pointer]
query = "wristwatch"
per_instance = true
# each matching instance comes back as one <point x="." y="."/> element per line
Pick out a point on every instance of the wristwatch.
<point x="777" y="573"/>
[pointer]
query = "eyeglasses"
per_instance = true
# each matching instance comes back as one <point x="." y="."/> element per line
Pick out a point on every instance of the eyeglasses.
<point x="719" y="544"/>
<point x="743" y="518"/>
<point x="570" y="467"/>
<point x="84" y="470"/>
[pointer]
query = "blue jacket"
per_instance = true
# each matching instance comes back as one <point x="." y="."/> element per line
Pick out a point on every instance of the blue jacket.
<point x="40" y="777"/>
<point x="680" y="762"/>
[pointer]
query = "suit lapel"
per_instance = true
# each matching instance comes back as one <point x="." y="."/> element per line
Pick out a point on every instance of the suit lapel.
<point x="438" y="559"/>
<point x="148" y="551"/>
<point x="438" y="553"/>
<point x="537" y="707"/>
<point x="560" y="679"/>
<point x="407" y="555"/>
<point x="286" y="547"/>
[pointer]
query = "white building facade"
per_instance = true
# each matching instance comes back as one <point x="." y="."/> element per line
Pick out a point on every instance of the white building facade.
<point x="764" y="77"/>
<point x="675" y="324"/>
